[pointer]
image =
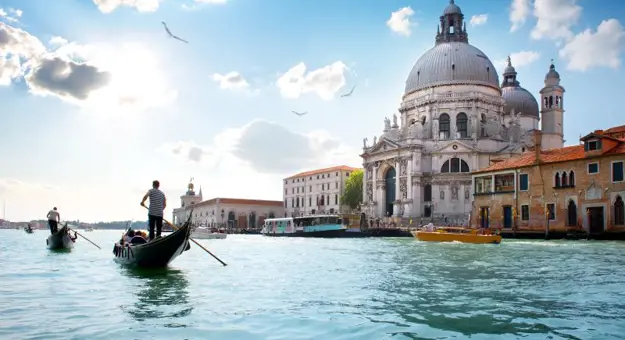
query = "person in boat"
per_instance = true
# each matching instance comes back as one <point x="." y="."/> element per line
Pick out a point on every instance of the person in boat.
<point x="158" y="202"/>
<point x="53" y="220"/>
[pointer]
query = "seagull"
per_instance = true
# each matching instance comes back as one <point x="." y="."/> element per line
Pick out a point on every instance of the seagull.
<point x="171" y="35"/>
<point x="349" y="93"/>
<point x="300" y="113"/>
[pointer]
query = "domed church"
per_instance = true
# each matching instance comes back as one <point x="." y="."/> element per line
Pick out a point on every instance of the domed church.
<point x="454" y="118"/>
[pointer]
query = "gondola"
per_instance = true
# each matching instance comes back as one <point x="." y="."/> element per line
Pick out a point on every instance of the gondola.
<point x="156" y="253"/>
<point x="60" y="239"/>
<point x="28" y="230"/>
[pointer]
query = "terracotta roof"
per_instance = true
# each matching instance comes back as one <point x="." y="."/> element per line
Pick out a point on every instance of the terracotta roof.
<point x="528" y="158"/>
<point x="324" y="170"/>
<point x="240" y="201"/>
<point x="616" y="129"/>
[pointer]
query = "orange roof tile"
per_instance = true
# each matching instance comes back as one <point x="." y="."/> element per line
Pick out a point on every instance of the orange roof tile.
<point x="528" y="158"/>
<point x="616" y="129"/>
<point x="324" y="170"/>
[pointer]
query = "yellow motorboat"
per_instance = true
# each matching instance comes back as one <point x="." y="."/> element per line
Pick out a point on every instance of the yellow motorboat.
<point x="451" y="234"/>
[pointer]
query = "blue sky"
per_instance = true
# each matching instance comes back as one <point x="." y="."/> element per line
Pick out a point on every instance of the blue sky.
<point x="143" y="106"/>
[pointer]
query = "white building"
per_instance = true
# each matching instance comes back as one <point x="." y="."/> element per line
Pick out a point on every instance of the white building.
<point x="315" y="192"/>
<point x="454" y="118"/>
<point x="236" y="213"/>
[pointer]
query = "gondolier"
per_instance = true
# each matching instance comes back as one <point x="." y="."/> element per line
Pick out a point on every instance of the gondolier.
<point x="158" y="202"/>
<point x="53" y="220"/>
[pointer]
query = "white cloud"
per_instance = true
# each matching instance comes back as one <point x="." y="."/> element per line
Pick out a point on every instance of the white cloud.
<point x="324" y="81"/>
<point x="56" y="42"/>
<point x="233" y="81"/>
<point x="554" y="19"/>
<point x="106" y="77"/>
<point x="519" y="11"/>
<point x="11" y="15"/>
<point x="602" y="48"/>
<point x="519" y="59"/>
<point x="400" y="21"/>
<point x="261" y="146"/>
<point x="108" y="6"/>
<point x="479" y="19"/>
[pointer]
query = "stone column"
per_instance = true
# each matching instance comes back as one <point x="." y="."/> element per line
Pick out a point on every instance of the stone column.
<point x="398" y="197"/>
<point x="409" y="207"/>
<point x="364" y="184"/>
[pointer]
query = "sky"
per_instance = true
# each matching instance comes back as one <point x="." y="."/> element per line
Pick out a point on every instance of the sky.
<point x="98" y="101"/>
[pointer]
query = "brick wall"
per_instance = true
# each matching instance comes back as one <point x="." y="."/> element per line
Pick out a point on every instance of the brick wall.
<point x="541" y="192"/>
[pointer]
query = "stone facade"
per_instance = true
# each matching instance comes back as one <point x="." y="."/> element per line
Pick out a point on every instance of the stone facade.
<point x="234" y="213"/>
<point x="575" y="187"/>
<point x="316" y="192"/>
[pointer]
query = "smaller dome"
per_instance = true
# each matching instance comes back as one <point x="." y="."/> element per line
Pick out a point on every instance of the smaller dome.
<point x="520" y="100"/>
<point x="552" y="72"/>
<point x="452" y="8"/>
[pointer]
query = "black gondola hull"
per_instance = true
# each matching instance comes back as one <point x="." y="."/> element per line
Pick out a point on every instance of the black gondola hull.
<point x="60" y="240"/>
<point x="157" y="253"/>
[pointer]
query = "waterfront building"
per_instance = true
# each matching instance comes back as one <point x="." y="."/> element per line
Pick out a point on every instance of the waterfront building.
<point x="316" y="191"/>
<point x="233" y="213"/>
<point x="454" y="117"/>
<point x="574" y="187"/>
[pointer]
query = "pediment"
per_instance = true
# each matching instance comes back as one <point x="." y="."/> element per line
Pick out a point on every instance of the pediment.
<point x="455" y="147"/>
<point x="383" y="145"/>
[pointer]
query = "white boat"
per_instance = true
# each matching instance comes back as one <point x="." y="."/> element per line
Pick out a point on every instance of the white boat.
<point x="203" y="233"/>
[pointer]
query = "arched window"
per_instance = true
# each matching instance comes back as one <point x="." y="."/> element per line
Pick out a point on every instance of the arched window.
<point x="443" y="126"/>
<point x="455" y="165"/>
<point x="483" y="125"/>
<point x="557" y="181"/>
<point x="619" y="211"/>
<point x="565" y="183"/>
<point x="427" y="193"/>
<point x="461" y="124"/>
<point x="571" y="179"/>
<point x="572" y="214"/>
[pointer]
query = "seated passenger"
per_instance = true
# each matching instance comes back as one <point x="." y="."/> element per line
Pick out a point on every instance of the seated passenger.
<point x="129" y="235"/>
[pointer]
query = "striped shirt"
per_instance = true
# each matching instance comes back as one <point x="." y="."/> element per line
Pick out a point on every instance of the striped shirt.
<point x="157" y="202"/>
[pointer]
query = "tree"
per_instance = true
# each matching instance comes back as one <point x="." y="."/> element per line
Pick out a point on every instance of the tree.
<point x="352" y="196"/>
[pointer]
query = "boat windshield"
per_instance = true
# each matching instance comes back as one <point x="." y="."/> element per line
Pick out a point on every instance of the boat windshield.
<point x="316" y="220"/>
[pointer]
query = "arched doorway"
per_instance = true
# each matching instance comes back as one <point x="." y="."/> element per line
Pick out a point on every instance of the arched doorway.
<point x="389" y="180"/>
<point x="231" y="219"/>
<point x="251" y="220"/>
<point x="619" y="211"/>
<point x="572" y="214"/>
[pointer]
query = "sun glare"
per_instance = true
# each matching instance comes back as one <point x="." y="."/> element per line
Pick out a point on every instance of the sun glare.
<point x="137" y="80"/>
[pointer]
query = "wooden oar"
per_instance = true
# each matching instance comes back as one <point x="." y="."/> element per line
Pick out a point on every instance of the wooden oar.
<point x="68" y="228"/>
<point x="173" y="226"/>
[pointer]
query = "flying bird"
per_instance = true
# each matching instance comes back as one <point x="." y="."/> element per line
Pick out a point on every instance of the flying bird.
<point x="300" y="113"/>
<point x="349" y="93"/>
<point x="171" y="35"/>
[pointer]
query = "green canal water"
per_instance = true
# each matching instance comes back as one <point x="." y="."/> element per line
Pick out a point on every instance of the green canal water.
<point x="279" y="288"/>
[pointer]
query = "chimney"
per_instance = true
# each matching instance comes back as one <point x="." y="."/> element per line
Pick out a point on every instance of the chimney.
<point x="538" y="139"/>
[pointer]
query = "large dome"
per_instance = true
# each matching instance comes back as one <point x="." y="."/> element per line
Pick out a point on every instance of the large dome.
<point x="451" y="63"/>
<point x="519" y="100"/>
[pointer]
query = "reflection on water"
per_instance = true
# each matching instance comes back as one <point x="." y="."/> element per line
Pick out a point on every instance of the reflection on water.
<point x="158" y="294"/>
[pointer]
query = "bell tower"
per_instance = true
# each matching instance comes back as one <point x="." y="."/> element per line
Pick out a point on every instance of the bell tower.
<point x="190" y="197"/>
<point x="552" y="110"/>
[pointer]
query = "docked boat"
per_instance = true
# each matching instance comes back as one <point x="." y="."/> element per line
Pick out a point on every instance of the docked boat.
<point x="203" y="233"/>
<point x="457" y="234"/>
<point x="326" y="226"/>
<point x="156" y="253"/>
<point x="61" y="239"/>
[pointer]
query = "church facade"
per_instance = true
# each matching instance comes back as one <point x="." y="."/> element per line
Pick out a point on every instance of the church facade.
<point x="454" y="118"/>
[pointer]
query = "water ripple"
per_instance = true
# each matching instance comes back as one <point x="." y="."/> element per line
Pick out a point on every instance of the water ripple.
<point x="278" y="288"/>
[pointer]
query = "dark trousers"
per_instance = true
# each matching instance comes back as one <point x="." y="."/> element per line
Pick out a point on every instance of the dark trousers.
<point x="155" y="221"/>
<point x="54" y="226"/>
